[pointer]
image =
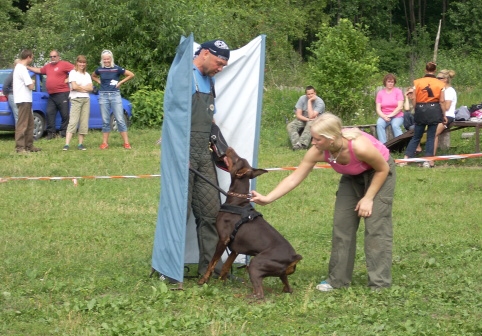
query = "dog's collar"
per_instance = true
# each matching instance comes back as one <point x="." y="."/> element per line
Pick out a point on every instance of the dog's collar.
<point x="245" y="196"/>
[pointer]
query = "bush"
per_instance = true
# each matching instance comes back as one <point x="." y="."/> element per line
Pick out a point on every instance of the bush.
<point x="148" y="107"/>
<point x="392" y="55"/>
<point x="342" y="66"/>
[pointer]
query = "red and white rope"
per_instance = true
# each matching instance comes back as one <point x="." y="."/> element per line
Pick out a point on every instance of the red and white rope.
<point x="319" y="166"/>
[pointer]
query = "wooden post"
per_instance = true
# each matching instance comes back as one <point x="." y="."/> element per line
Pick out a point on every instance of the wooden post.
<point x="444" y="140"/>
<point x="435" y="49"/>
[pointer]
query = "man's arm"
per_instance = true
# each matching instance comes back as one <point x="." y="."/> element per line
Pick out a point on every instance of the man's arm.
<point x="318" y="106"/>
<point x="299" y="115"/>
<point x="33" y="69"/>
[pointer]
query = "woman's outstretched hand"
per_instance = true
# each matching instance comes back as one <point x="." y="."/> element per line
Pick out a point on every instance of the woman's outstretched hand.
<point x="258" y="198"/>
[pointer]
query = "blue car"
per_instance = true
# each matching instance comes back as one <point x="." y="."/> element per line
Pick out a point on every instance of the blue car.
<point x="39" y="107"/>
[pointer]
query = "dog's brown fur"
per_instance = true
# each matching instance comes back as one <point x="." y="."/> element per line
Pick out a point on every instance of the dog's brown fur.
<point x="273" y="254"/>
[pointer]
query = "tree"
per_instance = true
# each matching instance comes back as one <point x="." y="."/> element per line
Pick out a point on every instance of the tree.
<point x="342" y="66"/>
<point x="464" y="27"/>
<point x="238" y="22"/>
<point x="10" y="21"/>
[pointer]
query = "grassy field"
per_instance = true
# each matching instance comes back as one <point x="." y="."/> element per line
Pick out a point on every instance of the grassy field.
<point x="75" y="259"/>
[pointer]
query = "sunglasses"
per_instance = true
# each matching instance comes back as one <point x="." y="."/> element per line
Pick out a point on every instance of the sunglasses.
<point x="54" y="56"/>
<point x="440" y="77"/>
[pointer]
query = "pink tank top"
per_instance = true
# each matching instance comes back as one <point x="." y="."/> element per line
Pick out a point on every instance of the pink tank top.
<point x="355" y="166"/>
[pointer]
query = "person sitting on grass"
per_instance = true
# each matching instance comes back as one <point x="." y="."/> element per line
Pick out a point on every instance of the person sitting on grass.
<point x="308" y="107"/>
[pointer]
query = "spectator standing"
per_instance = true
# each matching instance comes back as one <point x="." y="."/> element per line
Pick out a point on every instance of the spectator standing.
<point x="8" y="92"/>
<point x="449" y="106"/>
<point x="365" y="190"/>
<point x="57" y="72"/>
<point x="108" y="76"/>
<point x="22" y="93"/>
<point x="80" y="86"/>
<point x="308" y="107"/>
<point x="389" y="105"/>
<point x="428" y="99"/>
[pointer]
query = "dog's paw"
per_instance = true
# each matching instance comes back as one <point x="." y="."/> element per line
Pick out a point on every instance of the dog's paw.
<point x="202" y="281"/>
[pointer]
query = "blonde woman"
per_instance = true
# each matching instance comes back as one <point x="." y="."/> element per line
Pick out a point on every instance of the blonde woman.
<point x="80" y="86"/>
<point x="365" y="190"/>
<point x="108" y="75"/>
<point x="449" y="105"/>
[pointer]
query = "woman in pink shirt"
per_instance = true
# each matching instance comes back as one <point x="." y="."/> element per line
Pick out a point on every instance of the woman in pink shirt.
<point x="389" y="107"/>
<point x="365" y="190"/>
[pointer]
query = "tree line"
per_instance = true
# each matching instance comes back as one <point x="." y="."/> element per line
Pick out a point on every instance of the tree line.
<point x="396" y="35"/>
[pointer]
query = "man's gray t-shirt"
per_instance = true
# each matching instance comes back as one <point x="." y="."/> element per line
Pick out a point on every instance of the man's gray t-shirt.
<point x="302" y="104"/>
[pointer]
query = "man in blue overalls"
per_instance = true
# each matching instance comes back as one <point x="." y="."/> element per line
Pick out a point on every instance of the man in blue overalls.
<point x="203" y="199"/>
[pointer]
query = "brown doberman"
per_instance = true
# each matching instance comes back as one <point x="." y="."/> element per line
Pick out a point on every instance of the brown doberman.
<point x="244" y="231"/>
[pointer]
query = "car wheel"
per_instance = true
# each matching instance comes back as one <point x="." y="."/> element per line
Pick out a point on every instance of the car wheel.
<point x="38" y="125"/>
<point x="113" y="122"/>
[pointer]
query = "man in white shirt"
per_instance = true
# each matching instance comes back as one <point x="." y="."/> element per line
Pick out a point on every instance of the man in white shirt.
<point x="22" y="94"/>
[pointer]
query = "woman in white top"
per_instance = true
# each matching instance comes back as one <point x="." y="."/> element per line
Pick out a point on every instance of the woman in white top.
<point x="80" y="86"/>
<point x="449" y="104"/>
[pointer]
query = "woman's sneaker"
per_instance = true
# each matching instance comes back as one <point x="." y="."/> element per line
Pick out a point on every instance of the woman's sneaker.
<point x="81" y="147"/>
<point x="65" y="148"/>
<point x="324" y="286"/>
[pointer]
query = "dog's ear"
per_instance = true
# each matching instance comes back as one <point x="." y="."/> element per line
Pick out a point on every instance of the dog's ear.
<point x="241" y="172"/>
<point x="257" y="172"/>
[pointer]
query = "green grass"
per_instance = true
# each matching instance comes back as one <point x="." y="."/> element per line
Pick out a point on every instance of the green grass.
<point x="75" y="260"/>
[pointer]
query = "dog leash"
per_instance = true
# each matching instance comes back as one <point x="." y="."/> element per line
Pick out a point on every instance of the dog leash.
<point x="208" y="181"/>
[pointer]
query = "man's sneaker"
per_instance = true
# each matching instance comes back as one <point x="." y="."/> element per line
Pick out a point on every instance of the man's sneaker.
<point x="65" y="148"/>
<point x="324" y="286"/>
<point x="33" y="149"/>
<point x="50" y="136"/>
<point x="127" y="146"/>
<point x="104" y="146"/>
<point x="299" y="146"/>
<point x="81" y="147"/>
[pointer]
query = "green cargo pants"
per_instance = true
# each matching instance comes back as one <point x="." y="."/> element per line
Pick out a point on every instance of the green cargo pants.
<point x="378" y="231"/>
<point x="295" y="127"/>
